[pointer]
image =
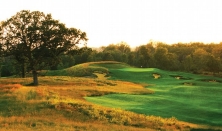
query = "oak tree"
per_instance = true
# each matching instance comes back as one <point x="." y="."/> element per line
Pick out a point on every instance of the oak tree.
<point x="36" y="39"/>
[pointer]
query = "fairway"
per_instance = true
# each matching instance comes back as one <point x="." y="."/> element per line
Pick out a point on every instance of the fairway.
<point x="188" y="97"/>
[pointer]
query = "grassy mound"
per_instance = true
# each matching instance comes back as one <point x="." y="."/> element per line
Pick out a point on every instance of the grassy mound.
<point x="86" y="69"/>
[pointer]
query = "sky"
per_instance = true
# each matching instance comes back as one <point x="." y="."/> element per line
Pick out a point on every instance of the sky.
<point x="135" y="22"/>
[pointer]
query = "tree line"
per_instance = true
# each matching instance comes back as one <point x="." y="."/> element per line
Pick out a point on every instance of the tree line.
<point x="194" y="57"/>
<point x="33" y="41"/>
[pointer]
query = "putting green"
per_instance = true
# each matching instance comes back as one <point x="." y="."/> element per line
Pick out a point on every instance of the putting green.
<point x="197" y="102"/>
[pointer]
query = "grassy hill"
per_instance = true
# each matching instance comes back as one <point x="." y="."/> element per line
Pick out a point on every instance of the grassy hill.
<point x="63" y="100"/>
<point x="188" y="97"/>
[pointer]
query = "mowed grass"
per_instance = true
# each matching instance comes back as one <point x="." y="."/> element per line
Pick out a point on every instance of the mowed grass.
<point x="58" y="104"/>
<point x="188" y="97"/>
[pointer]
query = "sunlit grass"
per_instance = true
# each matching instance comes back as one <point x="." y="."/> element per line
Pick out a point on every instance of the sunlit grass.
<point x="58" y="103"/>
<point x="186" y="96"/>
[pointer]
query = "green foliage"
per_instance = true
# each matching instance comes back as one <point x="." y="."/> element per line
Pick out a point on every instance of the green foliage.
<point x="144" y="56"/>
<point x="36" y="40"/>
<point x="190" y="57"/>
<point x="213" y="64"/>
<point x="7" y="66"/>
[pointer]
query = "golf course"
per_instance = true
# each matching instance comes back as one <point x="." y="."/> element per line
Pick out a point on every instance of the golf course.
<point x="188" y="97"/>
<point x="111" y="72"/>
<point x="111" y="95"/>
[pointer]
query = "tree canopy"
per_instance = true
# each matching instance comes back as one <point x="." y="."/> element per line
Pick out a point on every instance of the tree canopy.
<point x="36" y="40"/>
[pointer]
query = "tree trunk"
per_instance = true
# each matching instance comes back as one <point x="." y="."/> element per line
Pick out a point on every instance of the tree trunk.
<point x="35" y="78"/>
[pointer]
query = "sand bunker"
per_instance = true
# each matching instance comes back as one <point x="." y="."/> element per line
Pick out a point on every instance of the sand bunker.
<point x="178" y="77"/>
<point x="156" y="76"/>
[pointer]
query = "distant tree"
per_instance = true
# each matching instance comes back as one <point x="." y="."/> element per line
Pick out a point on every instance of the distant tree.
<point x="200" y="58"/>
<point x="83" y="55"/>
<point x="132" y="58"/>
<point x="143" y="56"/>
<point x="213" y="64"/>
<point x="124" y="50"/>
<point x="98" y="55"/>
<point x="172" y="62"/>
<point x="217" y="51"/>
<point x="160" y="57"/>
<point x="108" y="56"/>
<point x="93" y="56"/>
<point x="188" y="63"/>
<point x="123" y="47"/>
<point x="181" y="50"/>
<point x="38" y="39"/>
<point x="9" y="67"/>
<point x="65" y="62"/>
<point x="117" y="52"/>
